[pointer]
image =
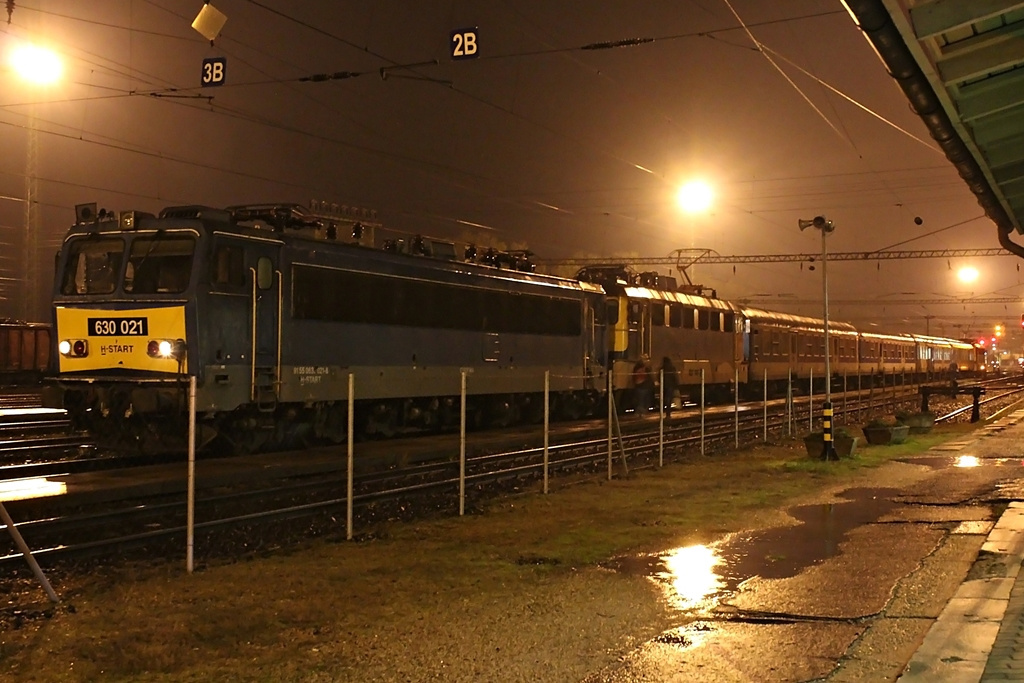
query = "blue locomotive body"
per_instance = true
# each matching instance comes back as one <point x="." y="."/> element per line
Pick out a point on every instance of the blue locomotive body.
<point x="273" y="314"/>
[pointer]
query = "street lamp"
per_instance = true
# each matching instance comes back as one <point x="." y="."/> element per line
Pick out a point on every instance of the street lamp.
<point x="36" y="64"/>
<point x="40" y="67"/>
<point x="825" y="226"/>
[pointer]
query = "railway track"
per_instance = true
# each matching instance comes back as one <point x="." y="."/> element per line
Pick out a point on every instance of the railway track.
<point x="238" y="512"/>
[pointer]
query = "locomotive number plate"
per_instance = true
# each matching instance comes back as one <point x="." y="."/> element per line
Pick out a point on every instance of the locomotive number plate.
<point x="118" y="327"/>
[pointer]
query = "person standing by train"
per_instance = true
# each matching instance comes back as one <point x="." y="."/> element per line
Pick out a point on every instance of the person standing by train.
<point x="671" y="382"/>
<point x="643" y="387"/>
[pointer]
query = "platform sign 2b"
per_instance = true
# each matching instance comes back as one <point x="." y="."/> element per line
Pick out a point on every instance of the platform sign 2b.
<point x="215" y="70"/>
<point x="463" y="43"/>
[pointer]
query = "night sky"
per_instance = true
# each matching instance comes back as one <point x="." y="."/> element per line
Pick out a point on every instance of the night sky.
<point x="536" y="143"/>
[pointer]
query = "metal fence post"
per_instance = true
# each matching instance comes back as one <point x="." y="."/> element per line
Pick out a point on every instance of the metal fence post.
<point x="766" y="405"/>
<point x="462" y="449"/>
<point x="736" y="406"/>
<point x="702" y="411"/>
<point x="611" y="416"/>
<point x="190" y="514"/>
<point x="661" y="418"/>
<point x="789" y="403"/>
<point x="547" y="422"/>
<point x="810" y="403"/>
<point x="350" y="485"/>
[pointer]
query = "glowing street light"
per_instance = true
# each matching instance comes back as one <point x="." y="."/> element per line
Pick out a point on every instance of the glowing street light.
<point x="41" y="67"/>
<point x="695" y="196"/>
<point x="36" y="64"/>
<point x="967" y="274"/>
<point x="825" y="226"/>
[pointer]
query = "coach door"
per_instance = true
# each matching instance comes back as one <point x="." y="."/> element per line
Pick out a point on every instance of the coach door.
<point x="267" y="301"/>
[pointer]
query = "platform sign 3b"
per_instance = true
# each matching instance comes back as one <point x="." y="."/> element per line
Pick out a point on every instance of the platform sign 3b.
<point x="215" y="70"/>
<point x="463" y="43"/>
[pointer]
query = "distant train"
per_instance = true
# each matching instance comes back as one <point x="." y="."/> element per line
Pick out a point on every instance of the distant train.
<point x="25" y="352"/>
<point x="273" y="307"/>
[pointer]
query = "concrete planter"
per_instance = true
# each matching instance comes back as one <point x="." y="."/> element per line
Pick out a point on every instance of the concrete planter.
<point x="845" y="444"/>
<point x="882" y="435"/>
<point x="919" y="423"/>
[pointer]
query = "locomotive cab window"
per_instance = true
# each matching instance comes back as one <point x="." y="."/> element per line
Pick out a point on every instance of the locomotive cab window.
<point x="611" y="311"/>
<point x="93" y="266"/>
<point x="228" y="266"/>
<point x="159" y="264"/>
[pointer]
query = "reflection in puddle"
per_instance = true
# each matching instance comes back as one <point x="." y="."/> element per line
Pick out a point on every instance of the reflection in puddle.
<point x="943" y="461"/>
<point x="696" y="578"/>
<point x="691" y="576"/>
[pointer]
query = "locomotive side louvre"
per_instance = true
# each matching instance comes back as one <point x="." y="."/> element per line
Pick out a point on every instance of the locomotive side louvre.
<point x="405" y="327"/>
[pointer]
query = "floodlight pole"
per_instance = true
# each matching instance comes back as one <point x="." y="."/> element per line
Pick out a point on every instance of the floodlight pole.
<point x="829" y="448"/>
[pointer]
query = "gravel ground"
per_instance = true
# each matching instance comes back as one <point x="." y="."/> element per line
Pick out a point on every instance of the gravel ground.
<point x="508" y="595"/>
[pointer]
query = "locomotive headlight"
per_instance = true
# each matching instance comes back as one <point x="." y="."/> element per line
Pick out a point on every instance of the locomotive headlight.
<point x="73" y="348"/>
<point x="166" y="348"/>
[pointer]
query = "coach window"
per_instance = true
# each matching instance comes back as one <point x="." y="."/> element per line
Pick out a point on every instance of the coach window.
<point x="716" y="321"/>
<point x="728" y="322"/>
<point x="675" y="315"/>
<point x="688" y="318"/>
<point x="658" y="314"/>
<point x="93" y="266"/>
<point x="703" y="319"/>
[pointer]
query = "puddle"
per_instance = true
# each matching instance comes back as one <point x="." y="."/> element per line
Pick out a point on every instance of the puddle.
<point x="696" y="577"/>
<point x="941" y="462"/>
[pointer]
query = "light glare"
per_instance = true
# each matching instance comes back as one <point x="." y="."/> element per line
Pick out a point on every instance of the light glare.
<point x="695" y="196"/>
<point x="692" y="574"/>
<point x="968" y="274"/>
<point x="35" y="64"/>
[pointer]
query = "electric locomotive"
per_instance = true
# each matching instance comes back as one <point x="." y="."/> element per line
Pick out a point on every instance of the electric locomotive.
<point x="273" y="308"/>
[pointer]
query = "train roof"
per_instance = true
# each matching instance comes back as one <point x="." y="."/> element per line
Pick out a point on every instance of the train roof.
<point x="942" y="341"/>
<point x="790" y="320"/>
<point x="295" y="225"/>
<point x="680" y="297"/>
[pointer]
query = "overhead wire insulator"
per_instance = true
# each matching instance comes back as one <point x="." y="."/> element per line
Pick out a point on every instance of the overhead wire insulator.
<point x="10" y="11"/>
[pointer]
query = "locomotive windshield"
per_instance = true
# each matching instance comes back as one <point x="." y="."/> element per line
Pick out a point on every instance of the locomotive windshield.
<point x="156" y="265"/>
<point x="93" y="266"/>
<point x="159" y="264"/>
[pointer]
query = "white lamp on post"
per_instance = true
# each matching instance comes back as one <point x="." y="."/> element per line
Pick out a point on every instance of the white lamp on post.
<point x="825" y="226"/>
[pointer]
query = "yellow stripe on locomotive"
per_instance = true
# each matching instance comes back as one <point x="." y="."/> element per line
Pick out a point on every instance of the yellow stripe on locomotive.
<point x="151" y="339"/>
